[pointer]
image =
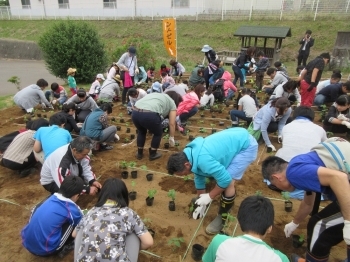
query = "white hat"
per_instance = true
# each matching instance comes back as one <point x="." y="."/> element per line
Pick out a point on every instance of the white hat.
<point x="206" y="48"/>
<point x="100" y="76"/>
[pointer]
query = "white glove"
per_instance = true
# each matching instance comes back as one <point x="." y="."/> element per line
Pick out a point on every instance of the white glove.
<point x="346" y="123"/>
<point x="203" y="200"/>
<point x="273" y="149"/>
<point x="116" y="137"/>
<point x="137" y="71"/>
<point x="139" y="83"/>
<point x="43" y="105"/>
<point x="343" y="118"/>
<point x="298" y="104"/>
<point x="199" y="212"/>
<point x="171" y="141"/>
<point x="279" y="139"/>
<point x="80" y="125"/>
<point x="54" y="102"/>
<point x="346" y="232"/>
<point x="290" y="227"/>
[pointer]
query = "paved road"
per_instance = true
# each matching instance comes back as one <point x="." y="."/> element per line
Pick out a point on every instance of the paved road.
<point x="29" y="71"/>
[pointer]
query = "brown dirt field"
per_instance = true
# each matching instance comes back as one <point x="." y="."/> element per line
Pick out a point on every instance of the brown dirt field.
<point x="26" y="192"/>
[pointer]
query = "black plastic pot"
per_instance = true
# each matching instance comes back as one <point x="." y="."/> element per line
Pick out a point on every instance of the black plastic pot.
<point x="228" y="118"/>
<point x="132" y="195"/>
<point x="38" y="115"/>
<point x="152" y="232"/>
<point x="296" y="241"/>
<point x="213" y="130"/>
<point x="125" y="174"/>
<point x="288" y="206"/>
<point x="190" y="137"/>
<point x="119" y="128"/>
<point x="134" y="174"/>
<point x="149" y="201"/>
<point x="44" y="116"/>
<point x="220" y="111"/>
<point x="166" y="145"/>
<point x="149" y="177"/>
<point x="213" y="116"/>
<point x="132" y="136"/>
<point x="171" y="205"/>
<point x="202" y="115"/>
<point x="128" y="130"/>
<point x="197" y="252"/>
<point x="122" y="120"/>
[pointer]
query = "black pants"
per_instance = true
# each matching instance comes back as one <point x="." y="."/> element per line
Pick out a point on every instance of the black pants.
<point x="147" y="121"/>
<point x="321" y="238"/>
<point x="273" y="126"/>
<point x="81" y="116"/>
<point x="17" y="166"/>
<point x="302" y="57"/>
<point x="259" y="79"/>
<point x="125" y="91"/>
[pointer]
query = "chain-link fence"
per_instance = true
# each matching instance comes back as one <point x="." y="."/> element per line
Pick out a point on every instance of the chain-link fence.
<point x="181" y="9"/>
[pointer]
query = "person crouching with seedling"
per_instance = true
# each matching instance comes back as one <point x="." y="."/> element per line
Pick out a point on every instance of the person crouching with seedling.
<point x="223" y="156"/>
<point x="255" y="217"/>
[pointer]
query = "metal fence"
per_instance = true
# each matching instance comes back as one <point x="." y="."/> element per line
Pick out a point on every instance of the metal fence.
<point x="182" y="10"/>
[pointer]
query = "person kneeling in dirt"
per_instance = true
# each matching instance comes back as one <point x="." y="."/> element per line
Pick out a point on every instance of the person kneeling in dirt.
<point x="111" y="228"/>
<point x="223" y="156"/>
<point x="19" y="154"/>
<point x="70" y="160"/>
<point x="97" y="128"/>
<point x="50" y="227"/>
<point x="323" y="170"/>
<point x="255" y="217"/>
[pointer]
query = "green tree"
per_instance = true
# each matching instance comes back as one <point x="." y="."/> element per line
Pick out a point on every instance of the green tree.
<point x="73" y="44"/>
<point x="145" y="51"/>
<point x="4" y="3"/>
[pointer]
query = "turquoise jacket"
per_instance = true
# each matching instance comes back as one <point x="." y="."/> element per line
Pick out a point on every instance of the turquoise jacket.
<point x="211" y="156"/>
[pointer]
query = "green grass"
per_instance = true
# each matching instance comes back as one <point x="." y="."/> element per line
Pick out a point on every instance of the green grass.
<point x="192" y="35"/>
<point x="6" y="101"/>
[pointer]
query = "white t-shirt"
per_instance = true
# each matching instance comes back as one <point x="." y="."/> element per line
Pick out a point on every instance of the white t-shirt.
<point x="142" y="93"/>
<point x="205" y="99"/>
<point x="248" y="105"/>
<point x="299" y="137"/>
<point x="322" y="84"/>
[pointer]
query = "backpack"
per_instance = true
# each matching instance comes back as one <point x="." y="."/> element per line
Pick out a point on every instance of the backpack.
<point x="218" y="90"/>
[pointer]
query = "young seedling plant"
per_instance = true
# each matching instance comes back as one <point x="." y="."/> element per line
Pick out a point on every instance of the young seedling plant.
<point x="133" y="184"/>
<point x="186" y="178"/>
<point x="171" y="194"/>
<point x="151" y="193"/>
<point x="143" y="167"/>
<point x="132" y="164"/>
<point x="202" y="130"/>
<point x="166" y="137"/>
<point x="229" y="219"/>
<point x="123" y="164"/>
<point x="175" y="242"/>
<point x="258" y="193"/>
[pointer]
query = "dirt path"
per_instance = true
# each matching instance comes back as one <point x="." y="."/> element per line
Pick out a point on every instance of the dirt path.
<point x="29" y="71"/>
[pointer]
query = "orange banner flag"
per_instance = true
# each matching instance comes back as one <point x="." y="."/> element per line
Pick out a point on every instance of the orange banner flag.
<point x="169" y="36"/>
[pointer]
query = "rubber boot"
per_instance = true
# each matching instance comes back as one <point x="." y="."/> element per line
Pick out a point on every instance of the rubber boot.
<point x="139" y="154"/>
<point x="226" y="203"/>
<point x="153" y="154"/>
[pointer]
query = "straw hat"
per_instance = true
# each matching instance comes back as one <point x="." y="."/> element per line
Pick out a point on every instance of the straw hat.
<point x="206" y="48"/>
<point x="117" y="78"/>
<point x="71" y="70"/>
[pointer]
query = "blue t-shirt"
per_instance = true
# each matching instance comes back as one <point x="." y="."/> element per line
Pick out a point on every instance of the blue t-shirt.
<point x="51" y="138"/>
<point x="43" y="234"/>
<point x="302" y="174"/>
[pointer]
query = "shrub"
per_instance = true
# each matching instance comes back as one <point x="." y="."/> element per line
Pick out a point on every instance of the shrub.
<point x="145" y="51"/>
<point x="73" y="44"/>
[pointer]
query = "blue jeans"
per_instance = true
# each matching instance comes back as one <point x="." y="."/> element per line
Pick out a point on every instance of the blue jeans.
<point x="185" y="116"/>
<point x="60" y="101"/>
<point x="238" y="114"/>
<point x="238" y="74"/>
<point x="320" y="100"/>
<point x="230" y="94"/>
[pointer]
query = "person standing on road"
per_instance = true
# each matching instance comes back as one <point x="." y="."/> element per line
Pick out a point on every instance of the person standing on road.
<point x="223" y="156"/>
<point x="324" y="170"/>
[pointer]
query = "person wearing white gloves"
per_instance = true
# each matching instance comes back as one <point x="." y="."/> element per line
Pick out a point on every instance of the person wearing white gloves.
<point x="148" y="114"/>
<point x="223" y="156"/>
<point x="272" y="117"/>
<point x="323" y="170"/>
<point x="337" y="118"/>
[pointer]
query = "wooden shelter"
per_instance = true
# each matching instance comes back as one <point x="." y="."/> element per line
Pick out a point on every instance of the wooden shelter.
<point x="250" y="34"/>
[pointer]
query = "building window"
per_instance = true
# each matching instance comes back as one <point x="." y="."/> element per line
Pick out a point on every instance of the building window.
<point x="179" y="3"/>
<point x="25" y="4"/>
<point x="110" y="4"/>
<point x="63" y="4"/>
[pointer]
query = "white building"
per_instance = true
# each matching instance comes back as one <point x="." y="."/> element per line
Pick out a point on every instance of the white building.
<point x="116" y="9"/>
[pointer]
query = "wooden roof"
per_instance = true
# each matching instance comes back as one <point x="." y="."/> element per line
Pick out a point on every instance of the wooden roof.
<point x="264" y="31"/>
